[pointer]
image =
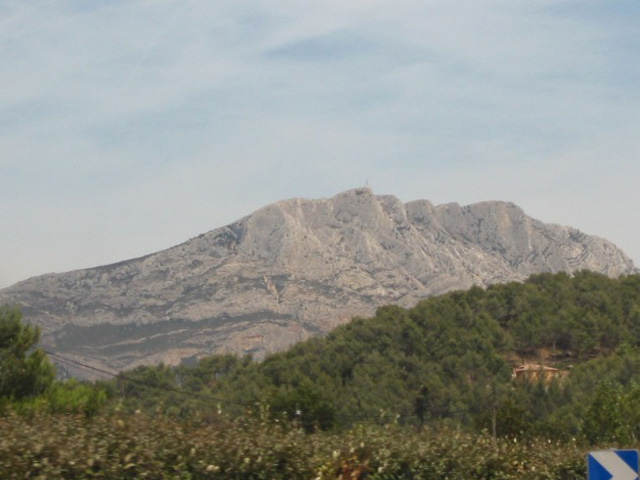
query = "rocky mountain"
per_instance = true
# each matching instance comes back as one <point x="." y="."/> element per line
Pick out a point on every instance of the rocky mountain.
<point x="291" y="270"/>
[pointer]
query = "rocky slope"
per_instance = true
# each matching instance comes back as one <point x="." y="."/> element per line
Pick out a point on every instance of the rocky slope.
<point x="291" y="270"/>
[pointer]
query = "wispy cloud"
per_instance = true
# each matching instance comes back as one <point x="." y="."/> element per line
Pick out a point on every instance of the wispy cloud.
<point x="126" y="127"/>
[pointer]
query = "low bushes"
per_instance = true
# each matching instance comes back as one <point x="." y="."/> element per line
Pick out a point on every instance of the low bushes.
<point x="137" y="446"/>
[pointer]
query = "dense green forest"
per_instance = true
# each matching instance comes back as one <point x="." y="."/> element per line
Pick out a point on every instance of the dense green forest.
<point x="424" y="375"/>
<point x="447" y="360"/>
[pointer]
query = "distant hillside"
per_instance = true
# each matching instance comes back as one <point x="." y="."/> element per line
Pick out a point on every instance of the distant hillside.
<point x="292" y="270"/>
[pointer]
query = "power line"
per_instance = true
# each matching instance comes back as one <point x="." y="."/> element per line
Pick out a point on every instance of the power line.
<point x="139" y="381"/>
<point x="74" y="363"/>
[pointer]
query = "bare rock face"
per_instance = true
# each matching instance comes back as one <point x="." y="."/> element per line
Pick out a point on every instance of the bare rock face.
<point x="291" y="270"/>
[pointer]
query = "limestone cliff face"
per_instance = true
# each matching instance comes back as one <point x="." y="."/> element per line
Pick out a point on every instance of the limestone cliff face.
<point x="291" y="270"/>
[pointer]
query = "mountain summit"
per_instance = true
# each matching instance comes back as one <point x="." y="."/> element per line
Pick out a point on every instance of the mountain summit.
<point x="291" y="270"/>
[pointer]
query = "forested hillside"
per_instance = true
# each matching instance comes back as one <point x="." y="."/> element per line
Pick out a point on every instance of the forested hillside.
<point x="425" y="392"/>
<point x="449" y="359"/>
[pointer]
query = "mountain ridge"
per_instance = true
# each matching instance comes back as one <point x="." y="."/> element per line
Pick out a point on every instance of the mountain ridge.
<point x="293" y="269"/>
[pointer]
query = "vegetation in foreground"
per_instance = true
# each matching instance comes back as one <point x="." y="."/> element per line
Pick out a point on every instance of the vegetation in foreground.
<point x="120" y="446"/>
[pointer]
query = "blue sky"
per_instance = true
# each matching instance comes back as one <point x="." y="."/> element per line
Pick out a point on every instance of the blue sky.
<point x="129" y="127"/>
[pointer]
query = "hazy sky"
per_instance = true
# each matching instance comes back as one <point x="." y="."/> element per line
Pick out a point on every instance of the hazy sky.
<point x="127" y="127"/>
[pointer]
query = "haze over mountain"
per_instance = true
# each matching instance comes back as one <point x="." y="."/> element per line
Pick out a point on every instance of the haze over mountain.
<point x="291" y="270"/>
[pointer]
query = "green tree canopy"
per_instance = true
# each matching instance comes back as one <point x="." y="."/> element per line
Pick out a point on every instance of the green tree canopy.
<point x="24" y="369"/>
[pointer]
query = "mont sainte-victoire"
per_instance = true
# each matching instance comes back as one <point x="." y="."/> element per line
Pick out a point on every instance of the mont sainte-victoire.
<point x="291" y="270"/>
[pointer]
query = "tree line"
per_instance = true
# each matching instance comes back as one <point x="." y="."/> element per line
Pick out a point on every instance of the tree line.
<point x="446" y="362"/>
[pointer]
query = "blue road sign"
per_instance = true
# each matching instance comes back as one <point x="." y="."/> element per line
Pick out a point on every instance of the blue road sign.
<point x="613" y="465"/>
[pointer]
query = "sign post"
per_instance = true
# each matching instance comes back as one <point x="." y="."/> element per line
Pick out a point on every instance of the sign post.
<point x="613" y="465"/>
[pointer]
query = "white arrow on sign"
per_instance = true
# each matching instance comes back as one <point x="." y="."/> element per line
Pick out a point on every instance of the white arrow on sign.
<point x="617" y="467"/>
